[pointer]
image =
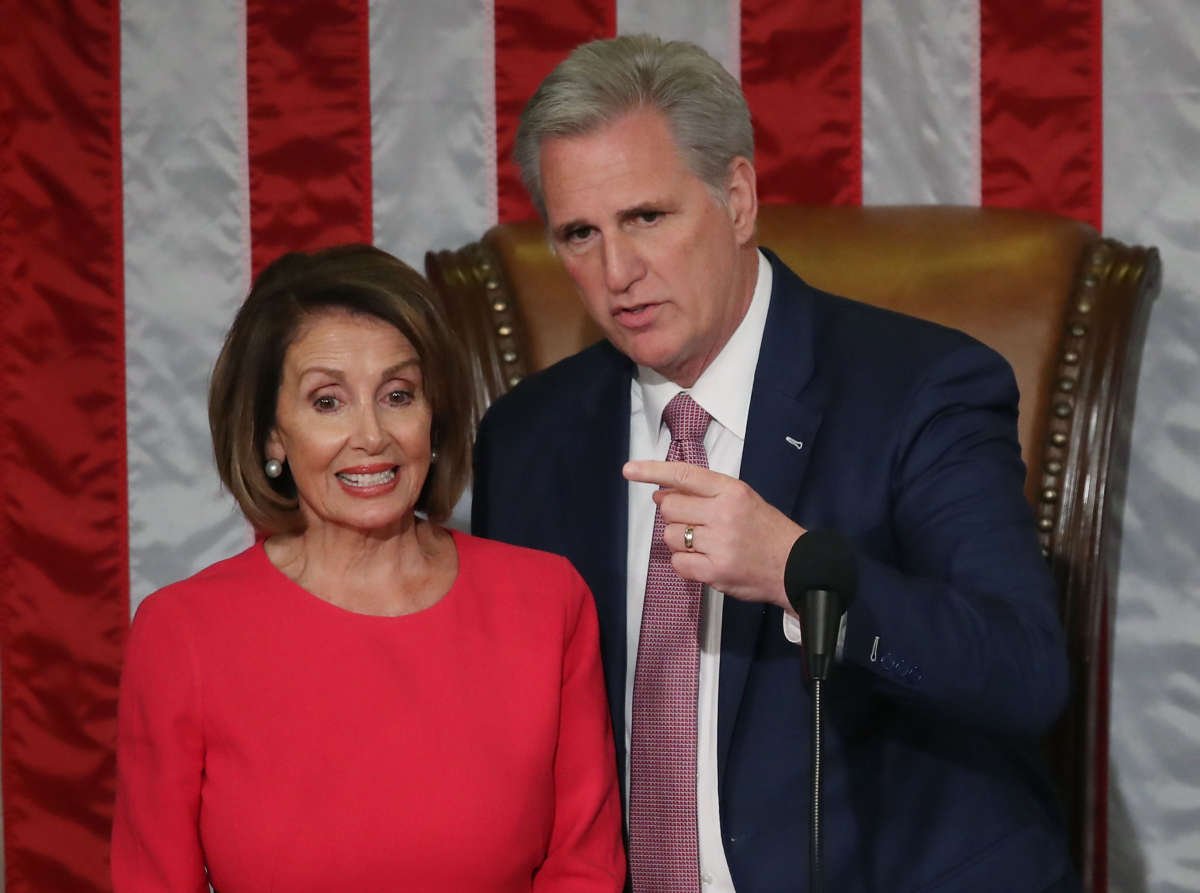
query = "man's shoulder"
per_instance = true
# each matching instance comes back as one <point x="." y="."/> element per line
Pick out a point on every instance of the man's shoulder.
<point x="560" y="389"/>
<point x="848" y="328"/>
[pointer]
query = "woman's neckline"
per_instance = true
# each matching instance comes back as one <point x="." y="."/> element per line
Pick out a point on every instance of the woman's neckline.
<point x="287" y="583"/>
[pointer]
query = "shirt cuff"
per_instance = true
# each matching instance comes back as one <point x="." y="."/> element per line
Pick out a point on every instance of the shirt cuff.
<point x="793" y="633"/>
<point x="791" y="628"/>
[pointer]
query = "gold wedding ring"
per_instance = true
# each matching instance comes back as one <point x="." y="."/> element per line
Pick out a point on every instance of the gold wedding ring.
<point x="689" y="538"/>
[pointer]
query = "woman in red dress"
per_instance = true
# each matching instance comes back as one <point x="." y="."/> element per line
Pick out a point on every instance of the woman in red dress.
<point x="363" y="700"/>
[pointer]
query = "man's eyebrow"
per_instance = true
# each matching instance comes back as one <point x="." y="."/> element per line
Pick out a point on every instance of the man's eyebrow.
<point x="647" y="207"/>
<point x="651" y="206"/>
<point x="563" y="229"/>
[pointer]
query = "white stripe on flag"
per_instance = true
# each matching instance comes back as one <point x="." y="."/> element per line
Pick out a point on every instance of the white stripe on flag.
<point x="1151" y="196"/>
<point x="433" y="117"/>
<point x="186" y="269"/>
<point x="920" y="115"/>
<point x="713" y="24"/>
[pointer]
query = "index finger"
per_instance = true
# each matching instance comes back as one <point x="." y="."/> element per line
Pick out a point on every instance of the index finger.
<point x="695" y="480"/>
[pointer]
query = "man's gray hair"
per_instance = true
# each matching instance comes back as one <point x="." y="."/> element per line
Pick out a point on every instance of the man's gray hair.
<point x="603" y="80"/>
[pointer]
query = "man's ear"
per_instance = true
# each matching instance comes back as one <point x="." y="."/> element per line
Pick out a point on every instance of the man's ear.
<point x="742" y="199"/>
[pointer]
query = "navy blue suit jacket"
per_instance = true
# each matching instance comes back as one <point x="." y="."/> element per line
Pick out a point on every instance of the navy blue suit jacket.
<point x="953" y="663"/>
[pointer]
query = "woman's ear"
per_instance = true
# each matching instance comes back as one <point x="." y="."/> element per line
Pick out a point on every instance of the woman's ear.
<point x="274" y="447"/>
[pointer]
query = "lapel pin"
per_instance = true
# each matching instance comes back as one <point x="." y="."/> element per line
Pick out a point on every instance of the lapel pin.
<point x="798" y="444"/>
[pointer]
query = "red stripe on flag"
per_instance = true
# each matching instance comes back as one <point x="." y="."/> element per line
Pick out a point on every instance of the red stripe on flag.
<point x="64" y="520"/>
<point x="802" y="76"/>
<point x="532" y="36"/>
<point x="1041" y="106"/>
<point x="308" y="98"/>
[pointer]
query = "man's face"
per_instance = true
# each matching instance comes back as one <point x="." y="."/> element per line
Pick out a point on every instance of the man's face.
<point x="665" y="269"/>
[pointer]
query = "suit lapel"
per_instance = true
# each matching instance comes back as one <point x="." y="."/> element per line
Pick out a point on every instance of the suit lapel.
<point x="597" y="503"/>
<point x="785" y="413"/>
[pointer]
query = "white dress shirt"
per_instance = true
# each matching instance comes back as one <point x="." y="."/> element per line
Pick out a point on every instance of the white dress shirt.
<point x="723" y="390"/>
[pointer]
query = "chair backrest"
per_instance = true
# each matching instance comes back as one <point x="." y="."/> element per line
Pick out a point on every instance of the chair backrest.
<point x="1066" y="307"/>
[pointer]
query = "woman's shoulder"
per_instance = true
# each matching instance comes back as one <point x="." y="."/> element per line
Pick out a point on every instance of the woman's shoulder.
<point x="540" y="593"/>
<point x="504" y="566"/>
<point x="475" y="550"/>
<point x="227" y="578"/>
<point x="181" y="620"/>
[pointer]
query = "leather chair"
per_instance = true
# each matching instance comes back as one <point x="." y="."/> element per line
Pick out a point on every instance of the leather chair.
<point x="1065" y="306"/>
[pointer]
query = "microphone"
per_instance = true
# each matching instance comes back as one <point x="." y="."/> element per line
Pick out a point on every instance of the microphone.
<point x="820" y="580"/>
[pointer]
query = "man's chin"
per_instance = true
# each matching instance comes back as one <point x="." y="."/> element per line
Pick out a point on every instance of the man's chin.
<point x="645" y="352"/>
<point x="665" y="363"/>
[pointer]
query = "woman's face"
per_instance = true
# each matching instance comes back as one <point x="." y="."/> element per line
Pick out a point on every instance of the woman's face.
<point x="353" y="423"/>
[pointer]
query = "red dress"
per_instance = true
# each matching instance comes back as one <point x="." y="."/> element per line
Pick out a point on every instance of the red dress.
<point x="289" y="745"/>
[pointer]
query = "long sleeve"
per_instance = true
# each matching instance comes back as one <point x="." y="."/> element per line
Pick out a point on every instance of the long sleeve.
<point x="585" y="851"/>
<point x="966" y="619"/>
<point x="160" y="759"/>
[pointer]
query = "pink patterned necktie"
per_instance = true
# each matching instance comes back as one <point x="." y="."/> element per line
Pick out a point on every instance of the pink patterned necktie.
<point x="663" y="850"/>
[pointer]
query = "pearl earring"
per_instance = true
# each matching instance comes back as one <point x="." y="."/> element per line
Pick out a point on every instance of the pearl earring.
<point x="273" y="468"/>
<point x="433" y="456"/>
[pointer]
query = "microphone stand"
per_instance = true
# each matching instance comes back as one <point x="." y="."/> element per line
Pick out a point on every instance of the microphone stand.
<point x="821" y="611"/>
<point x="816" y="865"/>
<point x="820" y="581"/>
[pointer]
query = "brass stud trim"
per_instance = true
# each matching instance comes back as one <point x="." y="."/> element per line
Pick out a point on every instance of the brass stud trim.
<point x="1068" y="381"/>
<point x="497" y="345"/>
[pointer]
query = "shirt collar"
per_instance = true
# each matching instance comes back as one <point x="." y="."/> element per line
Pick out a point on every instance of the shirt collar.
<point x="723" y="389"/>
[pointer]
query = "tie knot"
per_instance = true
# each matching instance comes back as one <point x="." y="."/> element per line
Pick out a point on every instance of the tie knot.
<point x="685" y="419"/>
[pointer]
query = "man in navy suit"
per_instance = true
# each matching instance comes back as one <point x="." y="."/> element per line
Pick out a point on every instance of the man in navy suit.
<point x="897" y="435"/>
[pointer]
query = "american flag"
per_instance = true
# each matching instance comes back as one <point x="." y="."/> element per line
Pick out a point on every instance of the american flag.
<point x="158" y="152"/>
